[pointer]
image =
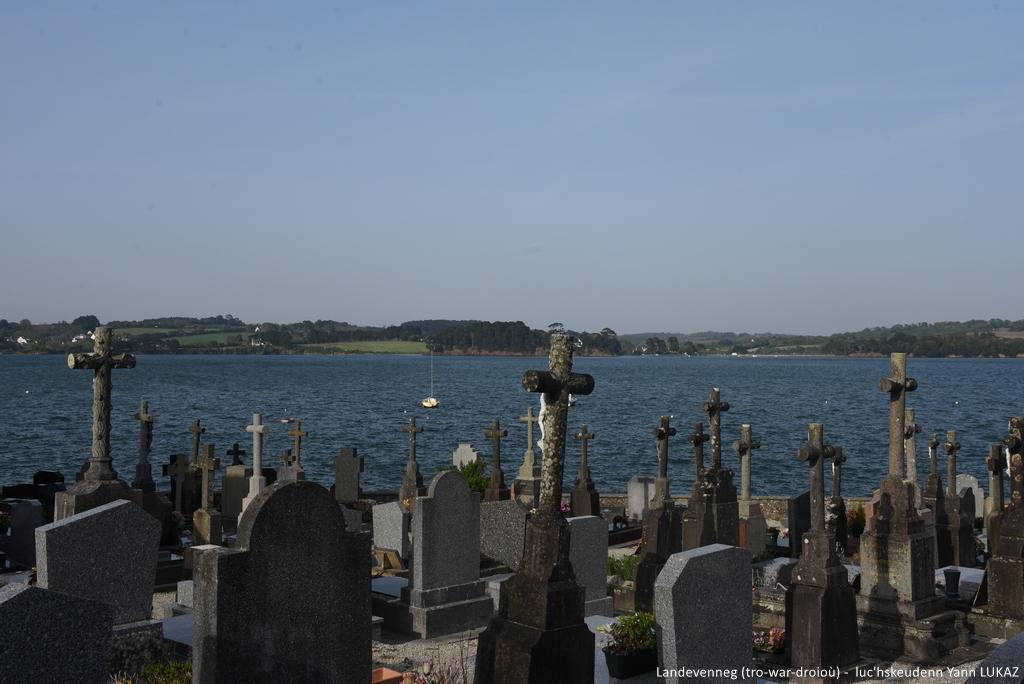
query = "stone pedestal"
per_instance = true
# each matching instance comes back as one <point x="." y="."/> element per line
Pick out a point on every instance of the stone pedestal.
<point x="528" y="490"/>
<point x="954" y="531"/>
<point x="206" y="527"/>
<point x="89" y="494"/>
<point x="715" y="518"/>
<point x="661" y="539"/>
<point x="584" y="500"/>
<point x="160" y="507"/>
<point x="753" y="529"/>
<point x="835" y="523"/>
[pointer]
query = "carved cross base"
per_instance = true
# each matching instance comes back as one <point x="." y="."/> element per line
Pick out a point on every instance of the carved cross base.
<point x="88" y="494"/>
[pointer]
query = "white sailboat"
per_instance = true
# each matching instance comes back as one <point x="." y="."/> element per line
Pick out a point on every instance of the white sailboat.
<point x="431" y="401"/>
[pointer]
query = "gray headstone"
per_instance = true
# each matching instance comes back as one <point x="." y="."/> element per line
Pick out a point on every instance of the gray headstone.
<point x="291" y="602"/>
<point x="970" y="482"/>
<point x="391" y="528"/>
<point x="347" y="466"/>
<point x="639" y="493"/>
<point x="26" y="516"/>
<point x="704" y="613"/>
<point x="503" y="531"/>
<point x="588" y="553"/>
<point x="463" y="454"/>
<point x="236" y="486"/>
<point x="107" y="554"/>
<point x="799" y="521"/>
<point x="48" y="636"/>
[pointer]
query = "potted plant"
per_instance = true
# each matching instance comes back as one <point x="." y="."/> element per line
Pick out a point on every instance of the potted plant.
<point x="631" y="648"/>
<point x="770" y="641"/>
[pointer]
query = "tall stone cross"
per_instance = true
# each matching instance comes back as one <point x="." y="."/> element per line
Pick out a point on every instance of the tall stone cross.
<point x="412" y="485"/>
<point x="530" y="467"/>
<point x="813" y="453"/>
<point x="496" y="490"/>
<point x="413" y="430"/>
<point x="584" y="436"/>
<point x="910" y="431"/>
<point x="933" y="453"/>
<point x="297" y="433"/>
<point x="661" y="434"/>
<point x="745" y="447"/>
<point x="1014" y="443"/>
<point x="257" y="483"/>
<point x="556" y="384"/>
<point x="897" y="385"/>
<point x="952" y="446"/>
<point x="143" y="470"/>
<point x="197" y="430"/>
<point x="715" y="407"/>
<point x="838" y="459"/>
<point x="208" y="463"/>
<point x="697" y="438"/>
<point x="101" y="361"/>
<point x="996" y="463"/>
<point x="178" y="470"/>
<point x="236" y="453"/>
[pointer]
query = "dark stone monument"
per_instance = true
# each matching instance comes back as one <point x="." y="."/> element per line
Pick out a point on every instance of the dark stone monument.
<point x="821" y="616"/>
<point x="584" y="499"/>
<point x="527" y="483"/>
<point x="799" y="521"/>
<point x="662" y="527"/>
<point x="691" y="523"/>
<point x="412" y="485"/>
<point x="154" y="503"/>
<point x="260" y="476"/>
<point x="718" y="508"/>
<point x="100" y="483"/>
<point x="954" y="528"/>
<point x="996" y="464"/>
<point x="910" y="432"/>
<point x="347" y="467"/>
<point x="835" y="508"/>
<point x="539" y="635"/>
<point x="206" y="522"/>
<point x="292" y="469"/>
<point x="496" y="490"/>
<point x="898" y="608"/>
<point x="753" y="527"/>
<point x="289" y="603"/>
<point x="1006" y="567"/>
<point x="178" y="470"/>
<point x="235" y="484"/>
<point x="934" y="497"/>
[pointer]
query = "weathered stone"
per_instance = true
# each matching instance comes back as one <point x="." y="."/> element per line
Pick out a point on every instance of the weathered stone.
<point x="391" y="528"/>
<point x="662" y="533"/>
<point x="106" y="554"/>
<point x="639" y="493"/>
<point x="235" y="484"/>
<point x="969" y="482"/>
<point x="584" y="499"/>
<point x="799" y="521"/>
<point x="51" y="636"/>
<point x="588" y="552"/>
<point x="258" y="481"/>
<point x="700" y="627"/>
<point x="464" y="454"/>
<point x="291" y="602"/>
<point x="716" y="511"/>
<point x="753" y="527"/>
<point x="527" y="484"/>
<point x="496" y="489"/>
<point x="954" y="525"/>
<point x="412" y="484"/>
<point x="503" y="531"/>
<point x="347" y="467"/>
<point x="996" y="463"/>
<point x="206" y="521"/>
<point x="1006" y="567"/>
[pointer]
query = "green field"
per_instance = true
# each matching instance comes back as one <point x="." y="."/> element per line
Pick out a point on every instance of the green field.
<point x="143" y="331"/>
<point x="370" y="347"/>
<point x="210" y="338"/>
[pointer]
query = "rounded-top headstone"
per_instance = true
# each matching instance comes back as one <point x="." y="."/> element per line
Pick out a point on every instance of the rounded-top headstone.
<point x="289" y="509"/>
<point x="448" y="484"/>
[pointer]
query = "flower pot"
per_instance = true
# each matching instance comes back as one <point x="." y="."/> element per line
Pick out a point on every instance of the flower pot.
<point x="384" y="675"/>
<point x="626" y="665"/>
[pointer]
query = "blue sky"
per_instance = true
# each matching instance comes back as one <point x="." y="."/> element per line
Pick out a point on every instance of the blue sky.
<point x="802" y="167"/>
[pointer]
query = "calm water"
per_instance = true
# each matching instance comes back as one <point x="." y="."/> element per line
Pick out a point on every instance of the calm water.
<point x="364" y="401"/>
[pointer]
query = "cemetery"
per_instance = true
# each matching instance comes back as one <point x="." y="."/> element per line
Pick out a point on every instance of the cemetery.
<point x="534" y="576"/>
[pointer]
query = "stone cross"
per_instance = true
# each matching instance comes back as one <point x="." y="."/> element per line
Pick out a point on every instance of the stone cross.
<point x="348" y="464"/>
<point x="196" y="431"/>
<point x="1014" y="443"/>
<point x="662" y="433"/>
<point x="556" y="384"/>
<point x="952" y="446"/>
<point x="584" y="436"/>
<point x="529" y="469"/>
<point x="715" y="407"/>
<point x="697" y="438"/>
<point x="933" y="453"/>
<point x="814" y="452"/>
<point x="236" y="454"/>
<point x="413" y="430"/>
<point x="838" y="459"/>
<point x="897" y="385"/>
<point x="143" y="471"/>
<point x="178" y="469"/>
<point x="287" y="458"/>
<point x="745" y="447"/>
<point x="101" y="361"/>
<point x="412" y="485"/>
<point x="208" y="463"/>
<point x="257" y="483"/>
<point x="298" y="434"/>
<point x="910" y="431"/>
<point x="496" y="490"/>
<point x="996" y="463"/>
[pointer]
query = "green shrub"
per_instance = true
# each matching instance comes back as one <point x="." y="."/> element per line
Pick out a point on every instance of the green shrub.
<point x="630" y="634"/>
<point x="475" y="475"/>
<point x="622" y="566"/>
<point x="169" y="672"/>
<point x="856" y="520"/>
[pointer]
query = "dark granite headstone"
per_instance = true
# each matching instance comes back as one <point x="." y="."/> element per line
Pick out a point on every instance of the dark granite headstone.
<point x="347" y="467"/>
<point x="20" y="545"/>
<point x="799" y="521"/>
<point x="291" y="602"/>
<point x="503" y="531"/>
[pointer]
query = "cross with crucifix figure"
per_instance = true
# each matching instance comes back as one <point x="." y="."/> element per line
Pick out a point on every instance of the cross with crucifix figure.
<point x="143" y="470"/>
<point x="715" y="407"/>
<point x="197" y="430"/>
<point x="814" y="452"/>
<point x="496" y="490"/>
<point x="745" y="447"/>
<point x="101" y="361"/>
<point x="1014" y="443"/>
<point x="178" y="470"/>
<point x="661" y="434"/>
<point x="412" y="485"/>
<point x="896" y="385"/>
<point x="236" y="454"/>
<point x="952" y="447"/>
<point x="297" y="433"/>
